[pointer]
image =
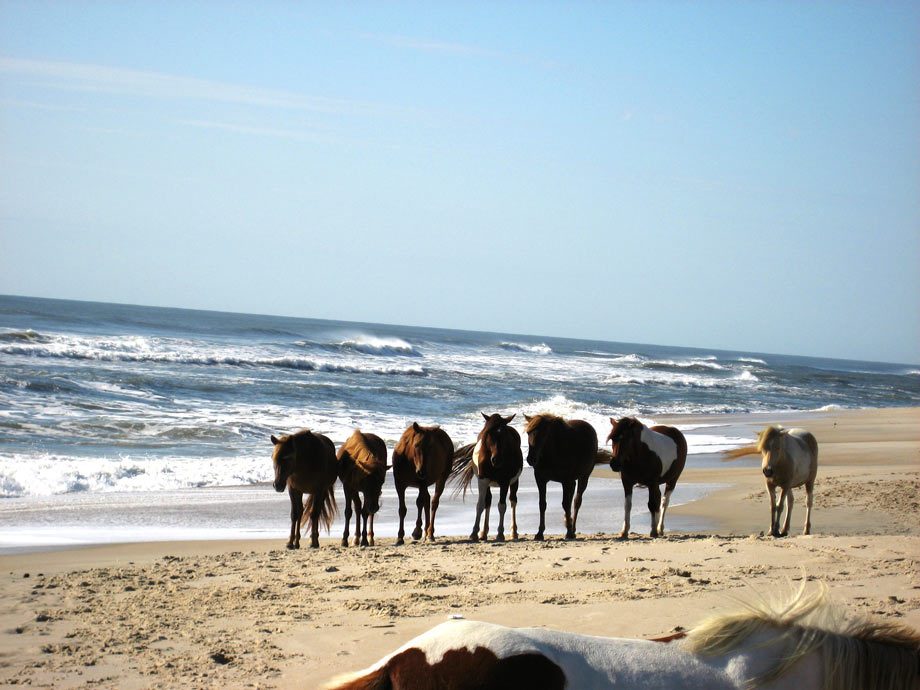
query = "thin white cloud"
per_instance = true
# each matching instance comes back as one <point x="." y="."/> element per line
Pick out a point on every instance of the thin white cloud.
<point x="127" y="82"/>
<point x="289" y="134"/>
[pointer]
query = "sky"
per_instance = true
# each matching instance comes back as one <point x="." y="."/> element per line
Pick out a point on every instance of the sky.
<point x="723" y="175"/>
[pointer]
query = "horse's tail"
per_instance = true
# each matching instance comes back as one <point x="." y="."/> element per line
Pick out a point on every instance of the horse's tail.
<point x="736" y="453"/>
<point x="327" y="511"/>
<point x="378" y="679"/>
<point x="603" y="456"/>
<point x="462" y="473"/>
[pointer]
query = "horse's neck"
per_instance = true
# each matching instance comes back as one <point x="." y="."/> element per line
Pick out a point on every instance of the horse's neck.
<point x="762" y="653"/>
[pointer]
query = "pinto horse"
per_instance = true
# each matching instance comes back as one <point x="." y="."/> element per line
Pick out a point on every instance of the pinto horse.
<point x="362" y="469"/>
<point x="565" y="452"/>
<point x="647" y="456"/>
<point x="305" y="463"/>
<point x="803" y="645"/>
<point x="496" y="460"/>
<point x="423" y="456"/>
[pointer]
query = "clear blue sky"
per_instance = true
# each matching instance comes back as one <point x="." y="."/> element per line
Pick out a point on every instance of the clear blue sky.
<point x="725" y="175"/>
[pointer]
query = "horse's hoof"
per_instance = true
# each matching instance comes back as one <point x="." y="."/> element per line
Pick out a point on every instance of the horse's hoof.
<point x="538" y="537"/>
<point x="417" y="533"/>
<point x="570" y="537"/>
<point x="514" y="536"/>
<point x="293" y="546"/>
<point x="624" y="536"/>
<point x="653" y="534"/>
<point x="345" y="543"/>
<point x="499" y="537"/>
<point x="314" y="546"/>
<point x="484" y="537"/>
<point x="399" y="542"/>
<point x="474" y="537"/>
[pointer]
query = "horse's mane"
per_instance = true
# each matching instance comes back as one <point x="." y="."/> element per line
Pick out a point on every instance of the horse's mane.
<point x="539" y="419"/>
<point x="857" y="653"/>
<point x="765" y="438"/>
<point x="360" y="448"/>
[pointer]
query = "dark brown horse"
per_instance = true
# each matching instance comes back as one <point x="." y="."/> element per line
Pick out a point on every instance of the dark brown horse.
<point x="496" y="460"/>
<point x="647" y="456"/>
<point x="423" y="456"/>
<point x="362" y="469"/>
<point x="305" y="464"/>
<point x="565" y="452"/>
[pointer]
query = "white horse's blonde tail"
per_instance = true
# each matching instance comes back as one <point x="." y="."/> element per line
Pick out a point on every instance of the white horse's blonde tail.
<point x="741" y="452"/>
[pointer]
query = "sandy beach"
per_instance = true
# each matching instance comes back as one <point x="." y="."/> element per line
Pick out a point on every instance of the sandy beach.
<point x="251" y="614"/>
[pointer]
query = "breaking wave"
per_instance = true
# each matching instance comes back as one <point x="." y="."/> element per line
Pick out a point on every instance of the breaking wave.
<point x="540" y="349"/>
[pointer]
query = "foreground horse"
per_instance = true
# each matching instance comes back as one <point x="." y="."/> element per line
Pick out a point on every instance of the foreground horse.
<point x="362" y="469"/>
<point x="423" y="456"/>
<point x="496" y="460"/>
<point x="305" y="463"/>
<point x="803" y="645"/>
<point x="647" y="456"/>
<point x="565" y="452"/>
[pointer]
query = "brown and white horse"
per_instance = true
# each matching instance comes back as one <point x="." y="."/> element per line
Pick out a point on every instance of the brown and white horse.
<point x="362" y="469"/>
<point x="305" y="463"/>
<point x="423" y="456"/>
<point x="803" y="645"/>
<point x="647" y="456"/>
<point x="565" y="452"/>
<point x="496" y="460"/>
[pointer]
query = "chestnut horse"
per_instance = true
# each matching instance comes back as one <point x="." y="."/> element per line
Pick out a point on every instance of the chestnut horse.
<point x="423" y="456"/>
<point x="305" y="463"/>
<point x="362" y="469"/>
<point x="496" y="460"/>
<point x="647" y="456"/>
<point x="805" y="644"/>
<point x="565" y="452"/>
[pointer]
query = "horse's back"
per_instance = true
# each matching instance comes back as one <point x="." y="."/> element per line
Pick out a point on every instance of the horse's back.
<point x="804" y="451"/>
<point x="584" y="439"/>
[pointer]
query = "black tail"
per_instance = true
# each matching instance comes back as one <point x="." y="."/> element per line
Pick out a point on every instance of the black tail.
<point x="327" y="512"/>
<point x="462" y="473"/>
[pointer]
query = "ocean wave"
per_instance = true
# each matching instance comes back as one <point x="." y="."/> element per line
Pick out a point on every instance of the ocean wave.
<point x="703" y="364"/>
<point x="123" y="352"/>
<point x="50" y="474"/>
<point x="751" y="360"/>
<point x="540" y="349"/>
<point x="27" y="335"/>
<point x="371" y="345"/>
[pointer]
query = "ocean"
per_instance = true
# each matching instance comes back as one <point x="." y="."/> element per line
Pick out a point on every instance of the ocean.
<point x="132" y="423"/>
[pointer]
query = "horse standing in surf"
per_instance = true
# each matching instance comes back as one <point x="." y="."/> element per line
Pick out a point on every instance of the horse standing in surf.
<point x="647" y="456"/>
<point x="565" y="452"/>
<point x="305" y="463"/>
<point x="362" y="462"/>
<point x="496" y="460"/>
<point x="423" y="456"/>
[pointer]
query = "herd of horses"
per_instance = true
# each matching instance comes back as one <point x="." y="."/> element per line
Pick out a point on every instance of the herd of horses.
<point x="559" y="450"/>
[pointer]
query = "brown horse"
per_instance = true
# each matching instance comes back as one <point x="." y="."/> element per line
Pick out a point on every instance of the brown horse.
<point x="305" y="463"/>
<point x="423" y="456"/>
<point x="647" y="456"/>
<point x="565" y="452"/>
<point x="362" y="469"/>
<point x="496" y="460"/>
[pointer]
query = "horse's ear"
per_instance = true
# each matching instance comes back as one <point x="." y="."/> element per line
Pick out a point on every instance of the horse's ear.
<point x="275" y="441"/>
<point x="484" y="415"/>
<point x="416" y="427"/>
<point x="507" y="420"/>
<point x="526" y="418"/>
<point x="613" y="421"/>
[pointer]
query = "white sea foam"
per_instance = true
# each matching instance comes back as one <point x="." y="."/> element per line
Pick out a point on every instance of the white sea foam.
<point x="540" y="349"/>
<point x="752" y="360"/>
<point x="373" y="345"/>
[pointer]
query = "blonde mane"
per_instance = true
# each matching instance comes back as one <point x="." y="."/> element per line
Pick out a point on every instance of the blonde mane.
<point x="765" y="437"/>
<point x="856" y="653"/>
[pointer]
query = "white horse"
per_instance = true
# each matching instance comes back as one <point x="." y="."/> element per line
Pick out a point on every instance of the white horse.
<point x="790" y="459"/>
<point x="804" y="645"/>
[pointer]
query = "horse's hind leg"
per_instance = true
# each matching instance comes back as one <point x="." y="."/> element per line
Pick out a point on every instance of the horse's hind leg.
<point x="401" y="496"/>
<point x="502" y="506"/>
<point x="541" y="489"/>
<point x="487" y="507"/>
<point x="568" y="491"/>
<point x="665" y="501"/>
<point x="579" y="492"/>
<point x="809" y="498"/>
<point x="370" y="534"/>
<point x="422" y="504"/>
<point x="480" y="505"/>
<point x="787" y="495"/>
<point x="627" y="508"/>
<point x="316" y="510"/>
<point x="360" y="536"/>
<point x="296" y="515"/>
<point x="435" y="502"/>
<point x="348" y="517"/>
<point x="654" y="506"/>
<point x="513" y="498"/>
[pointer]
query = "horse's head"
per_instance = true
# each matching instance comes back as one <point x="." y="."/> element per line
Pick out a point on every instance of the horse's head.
<point x="769" y="443"/>
<point x="495" y="435"/>
<point x="283" y="460"/>
<point x="539" y="432"/>
<point x="622" y="435"/>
